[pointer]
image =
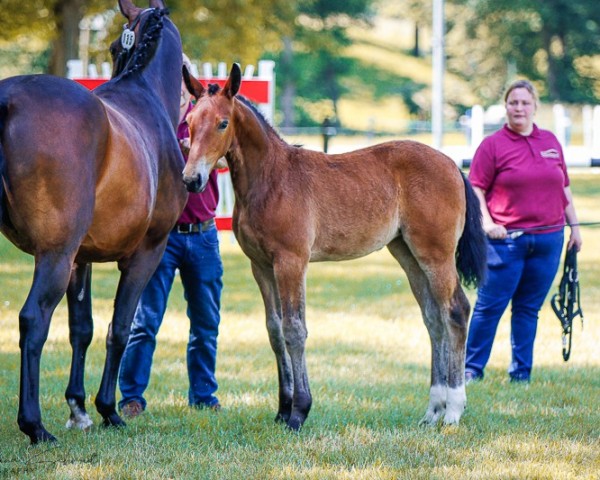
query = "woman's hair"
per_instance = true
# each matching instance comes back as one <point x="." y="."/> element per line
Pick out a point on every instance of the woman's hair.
<point x="526" y="84"/>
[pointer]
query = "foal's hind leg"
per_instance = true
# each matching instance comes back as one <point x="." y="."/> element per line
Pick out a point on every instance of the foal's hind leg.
<point x="50" y="278"/>
<point x="445" y="312"/>
<point x="81" y="330"/>
<point x="268" y="288"/>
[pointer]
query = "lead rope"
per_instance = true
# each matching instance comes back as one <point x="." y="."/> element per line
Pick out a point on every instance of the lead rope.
<point x="565" y="303"/>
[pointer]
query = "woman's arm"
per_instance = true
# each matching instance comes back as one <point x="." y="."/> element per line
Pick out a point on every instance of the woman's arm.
<point x="491" y="229"/>
<point x="571" y="216"/>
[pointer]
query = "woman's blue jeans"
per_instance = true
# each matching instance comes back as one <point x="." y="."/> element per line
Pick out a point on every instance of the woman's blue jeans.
<point x="197" y="257"/>
<point x="521" y="270"/>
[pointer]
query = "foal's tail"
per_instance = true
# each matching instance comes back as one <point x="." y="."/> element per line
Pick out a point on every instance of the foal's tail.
<point x="471" y="253"/>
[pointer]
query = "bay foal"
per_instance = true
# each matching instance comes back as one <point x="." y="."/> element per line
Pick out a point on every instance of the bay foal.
<point x="294" y="206"/>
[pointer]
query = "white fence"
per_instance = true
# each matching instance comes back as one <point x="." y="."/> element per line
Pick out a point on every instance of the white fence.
<point x="584" y="155"/>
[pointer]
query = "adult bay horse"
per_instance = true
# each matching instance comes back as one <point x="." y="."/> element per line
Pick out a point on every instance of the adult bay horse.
<point x="91" y="177"/>
<point x="294" y="206"/>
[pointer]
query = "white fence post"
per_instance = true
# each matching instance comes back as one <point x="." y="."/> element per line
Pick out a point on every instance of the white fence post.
<point x="476" y="126"/>
<point x="560" y="124"/>
<point x="222" y="70"/>
<point x="596" y="132"/>
<point x="588" y="130"/>
<point x="266" y="71"/>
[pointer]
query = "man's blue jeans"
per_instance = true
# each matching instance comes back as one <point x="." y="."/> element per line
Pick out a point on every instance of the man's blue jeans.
<point x="521" y="270"/>
<point x="197" y="257"/>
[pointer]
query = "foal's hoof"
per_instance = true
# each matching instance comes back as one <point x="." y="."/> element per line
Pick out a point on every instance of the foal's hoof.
<point x="431" y="418"/>
<point x="113" y="420"/>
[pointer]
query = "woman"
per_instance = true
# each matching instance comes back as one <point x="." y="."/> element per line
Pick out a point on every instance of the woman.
<point x="520" y="177"/>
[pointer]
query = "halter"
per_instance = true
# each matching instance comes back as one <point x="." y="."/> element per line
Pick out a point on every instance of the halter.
<point x="564" y="302"/>
<point x="128" y="35"/>
<point x="128" y="40"/>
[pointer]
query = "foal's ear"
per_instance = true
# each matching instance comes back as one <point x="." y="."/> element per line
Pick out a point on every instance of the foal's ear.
<point x="232" y="87"/>
<point x="192" y="84"/>
<point x="128" y="9"/>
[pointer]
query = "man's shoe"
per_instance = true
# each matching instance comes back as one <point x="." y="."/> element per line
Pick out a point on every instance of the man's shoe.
<point x="215" y="407"/>
<point x="132" y="409"/>
<point x="471" y="377"/>
<point x="520" y="379"/>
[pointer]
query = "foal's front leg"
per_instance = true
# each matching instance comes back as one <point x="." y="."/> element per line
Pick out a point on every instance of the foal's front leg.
<point x="290" y="274"/>
<point x="268" y="288"/>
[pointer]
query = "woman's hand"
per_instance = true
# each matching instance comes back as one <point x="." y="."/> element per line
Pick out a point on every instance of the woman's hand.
<point x="495" y="231"/>
<point x="575" y="239"/>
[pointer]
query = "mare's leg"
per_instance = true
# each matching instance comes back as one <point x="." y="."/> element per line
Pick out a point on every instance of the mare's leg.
<point x="81" y="331"/>
<point x="445" y="310"/>
<point x="268" y="288"/>
<point x="135" y="273"/>
<point x="290" y="271"/>
<point x="50" y="279"/>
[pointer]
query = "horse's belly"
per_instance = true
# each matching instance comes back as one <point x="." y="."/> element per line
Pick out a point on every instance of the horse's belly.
<point x="349" y="245"/>
<point x="115" y="236"/>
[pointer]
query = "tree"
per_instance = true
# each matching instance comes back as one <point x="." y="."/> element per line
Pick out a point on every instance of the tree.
<point x="230" y="30"/>
<point x="313" y="62"/>
<point x="555" y="43"/>
<point x="52" y="23"/>
<point x="213" y="30"/>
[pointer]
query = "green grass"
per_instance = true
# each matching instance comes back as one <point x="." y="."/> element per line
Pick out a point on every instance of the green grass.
<point x="368" y="359"/>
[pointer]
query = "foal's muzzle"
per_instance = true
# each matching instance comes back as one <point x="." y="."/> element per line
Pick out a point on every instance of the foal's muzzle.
<point x="194" y="185"/>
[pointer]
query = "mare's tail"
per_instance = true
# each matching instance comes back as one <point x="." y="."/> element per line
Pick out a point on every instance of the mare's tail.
<point x="471" y="253"/>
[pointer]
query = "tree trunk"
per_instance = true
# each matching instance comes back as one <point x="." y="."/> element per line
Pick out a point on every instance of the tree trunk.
<point x="552" y="74"/>
<point x="416" y="50"/>
<point x="67" y="14"/>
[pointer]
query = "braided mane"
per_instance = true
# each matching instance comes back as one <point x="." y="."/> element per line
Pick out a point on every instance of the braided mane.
<point x="147" y="45"/>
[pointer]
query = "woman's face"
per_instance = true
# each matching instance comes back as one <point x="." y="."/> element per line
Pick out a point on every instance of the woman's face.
<point x="520" y="109"/>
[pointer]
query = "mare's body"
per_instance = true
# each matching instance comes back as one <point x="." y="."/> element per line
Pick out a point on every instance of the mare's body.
<point x="294" y="206"/>
<point x="91" y="177"/>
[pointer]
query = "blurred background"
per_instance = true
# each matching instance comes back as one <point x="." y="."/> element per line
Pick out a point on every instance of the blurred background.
<point x="363" y="66"/>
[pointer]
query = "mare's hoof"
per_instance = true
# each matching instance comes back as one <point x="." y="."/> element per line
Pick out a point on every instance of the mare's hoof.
<point x="295" y="423"/>
<point x="41" y="435"/>
<point x="113" y="420"/>
<point x="282" y="417"/>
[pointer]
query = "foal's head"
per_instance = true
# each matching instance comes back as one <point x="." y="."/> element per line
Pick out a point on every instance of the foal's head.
<point x="211" y="126"/>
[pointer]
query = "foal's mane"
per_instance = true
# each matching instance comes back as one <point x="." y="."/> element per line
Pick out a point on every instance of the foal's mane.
<point x="259" y="116"/>
<point x="146" y="47"/>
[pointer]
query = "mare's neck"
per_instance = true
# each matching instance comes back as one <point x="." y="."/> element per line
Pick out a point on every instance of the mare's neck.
<point x="158" y="82"/>
<point x="163" y="72"/>
<point x="253" y="153"/>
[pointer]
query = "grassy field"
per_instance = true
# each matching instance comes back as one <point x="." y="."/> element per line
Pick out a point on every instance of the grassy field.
<point x="368" y="360"/>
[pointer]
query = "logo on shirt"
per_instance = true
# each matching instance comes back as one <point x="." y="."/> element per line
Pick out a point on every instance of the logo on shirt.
<point x="551" y="153"/>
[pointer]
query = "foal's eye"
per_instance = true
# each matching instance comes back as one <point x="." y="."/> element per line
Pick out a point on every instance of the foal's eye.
<point x="223" y="124"/>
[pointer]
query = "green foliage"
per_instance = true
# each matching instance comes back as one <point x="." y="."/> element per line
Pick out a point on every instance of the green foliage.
<point x="317" y="57"/>
<point x="230" y="30"/>
<point x="538" y="40"/>
<point x="555" y="43"/>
